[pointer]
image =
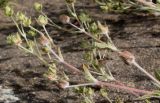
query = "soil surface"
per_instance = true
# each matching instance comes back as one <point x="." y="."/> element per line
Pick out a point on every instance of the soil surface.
<point x="138" y="33"/>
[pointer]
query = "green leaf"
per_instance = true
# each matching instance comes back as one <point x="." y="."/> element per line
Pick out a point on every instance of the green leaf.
<point x="88" y="75"/>
<point x="104" y="92"/>
<point x="84" y="17"/>
<point x="105" y="45"/>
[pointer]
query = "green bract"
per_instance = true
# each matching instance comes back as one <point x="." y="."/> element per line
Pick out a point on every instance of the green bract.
<point x="32" y="33"/>
<point x="8" y="11"/>
<point x="84" y="17"/>
<point x="94" y="28"/>
<point x="88" y="75"/>
<point x="20" y="16"/>
<point x="26" y="22"/>
<point x="38" y="7"/>
<point x="42" y="20"/>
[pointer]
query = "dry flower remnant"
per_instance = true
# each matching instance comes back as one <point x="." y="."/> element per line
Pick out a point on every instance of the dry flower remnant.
<point x="127" y="56"/>
<point x="64" y="19"/>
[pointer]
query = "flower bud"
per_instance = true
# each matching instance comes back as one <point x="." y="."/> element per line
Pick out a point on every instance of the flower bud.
<point x="26" y="22"/>
<point x="127" y="56"/>
<point x="38" y="7"/>
<point x="44" y="40"/>
<point x="20" y="16"/>
<point x="64" y="19"/>
<point x="42" y="20"/>
<point x="8" y="11"/>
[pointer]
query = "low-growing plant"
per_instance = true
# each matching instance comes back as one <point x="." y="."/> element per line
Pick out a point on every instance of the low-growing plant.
<point x="95" y="73"/>
<point x="129" y="5"/>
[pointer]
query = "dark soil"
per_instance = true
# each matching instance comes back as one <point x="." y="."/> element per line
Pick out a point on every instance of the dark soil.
<point x="138" y="33"/>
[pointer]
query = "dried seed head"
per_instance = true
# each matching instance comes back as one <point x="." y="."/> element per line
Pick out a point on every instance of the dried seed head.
<point x="127" y="56"/>
<point x="104" y="29"/>
<point x="63" y="84"/>
<point x="64" y="19"/>
<point x="44" y="40"/>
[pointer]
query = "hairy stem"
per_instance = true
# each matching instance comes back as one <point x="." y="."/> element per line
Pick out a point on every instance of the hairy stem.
<point x="36" y="30"/>
<point x="74" y="69"/>
<point x="83" y="31"/>
<point x="145" y="72"/>
<point x="128" y="89"/>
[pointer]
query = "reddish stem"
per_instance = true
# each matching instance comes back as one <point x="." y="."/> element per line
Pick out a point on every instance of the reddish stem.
<point x="120" y="83"/>
<point x="128" y="89"/>
<point x="74" y="69"/>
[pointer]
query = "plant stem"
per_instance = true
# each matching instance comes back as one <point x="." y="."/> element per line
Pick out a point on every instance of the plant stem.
<point x="61" y="60"/>
<point x="100" y="83"/>
<point x="144" y="71"/>
<point x="120" y="83"/>
<point x="54" y="53"/>
<point x="19" y="30"/>
<point x="128" y="89"/>
<point x="47" y="33"/>
<point x="134" y="63"/>
<point x="25" y="49"/>
<point x="36" y="30"/>
<point x="33" y="54"/>
<point x="53" y="24"/>
<point x="83" y="31"/>
<point x="74" y="69"/>
<point x="24" y="34"/>
<point x="51" y="40"/>
<point x="80" y="85"/>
